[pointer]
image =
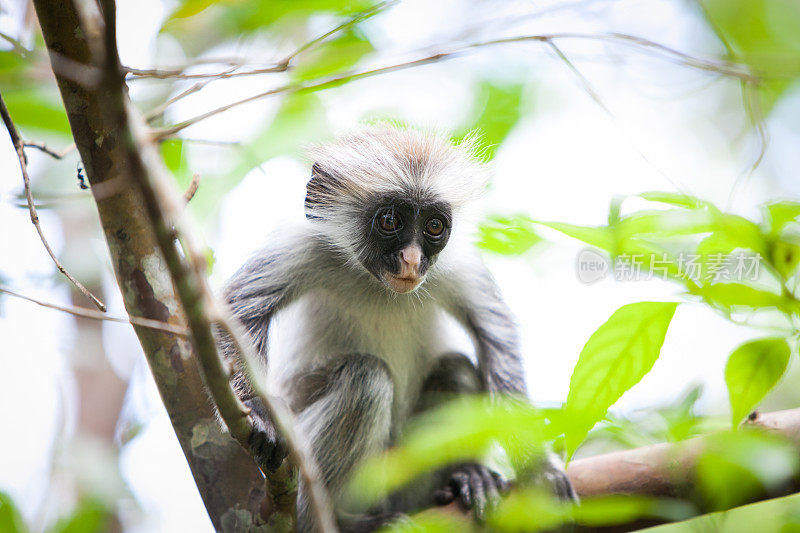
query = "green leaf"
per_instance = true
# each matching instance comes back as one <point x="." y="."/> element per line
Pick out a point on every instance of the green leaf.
<point x="172" y="154"/>
<point x="91" y="516"/>
<point x="752" y="371"/>
<point x="234" y="17"/>
<point x="779" y="214"/>
<point x="600" y="236"/>
<point x="37" y="109"/>
<point x="513" y="235"/>
<point x="496" y="111"/>
<point x="335" y="56"/>
<point x="666" y="223"/>
<point x="732" y="295"/>
<point x="678" y="200"/>
<point x="615" y="358"/>
<point x="784" y="255"/>
<point x="10" y="517"/>
<point x="762" y="34"/>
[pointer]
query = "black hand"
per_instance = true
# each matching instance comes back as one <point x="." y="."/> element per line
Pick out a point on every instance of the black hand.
<point x="475" y="487"/>
<point x="267" y="446"/>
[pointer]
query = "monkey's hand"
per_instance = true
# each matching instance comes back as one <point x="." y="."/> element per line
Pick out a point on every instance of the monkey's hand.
<point x="267" y="446"/>
<point x="475" y="487"/>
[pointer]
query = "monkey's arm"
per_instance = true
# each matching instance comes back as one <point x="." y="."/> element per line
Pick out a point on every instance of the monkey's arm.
<point x="481" y="309"/>
<point x="267" y="282"/>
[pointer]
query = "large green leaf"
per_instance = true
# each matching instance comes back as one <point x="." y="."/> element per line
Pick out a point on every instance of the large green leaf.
<point x="615" y="358"/>
<point x="752" y="371"/>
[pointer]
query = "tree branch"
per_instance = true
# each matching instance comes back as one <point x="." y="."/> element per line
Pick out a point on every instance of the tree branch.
<point x="230" y="483"/>
<point x="664" y="470"/>
<point x="164" y="209"/>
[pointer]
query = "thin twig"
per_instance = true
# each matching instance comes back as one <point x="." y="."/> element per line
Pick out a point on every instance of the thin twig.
<point x="42" y="147"/>
<point x="729" y="69"/>
<point x="23" y="164"/>
<point x="364" y="15"/>
<point x="159" y="110"/>
<point x="178" y="74"/>
<point x="191" y="189"/>
<point x="584" y="81"/>
<point x="85" y="312"/>
<point x="18" y="47"/>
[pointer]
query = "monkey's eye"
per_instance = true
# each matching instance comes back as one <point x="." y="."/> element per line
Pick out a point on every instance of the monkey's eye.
<point x="390" y="222"/>
<point x="434" y="227"/>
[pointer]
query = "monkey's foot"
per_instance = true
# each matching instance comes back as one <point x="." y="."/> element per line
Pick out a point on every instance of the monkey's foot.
<point x="554" y="478"/>
<point x="475" y="487"/>
<point x="267" y="446"/>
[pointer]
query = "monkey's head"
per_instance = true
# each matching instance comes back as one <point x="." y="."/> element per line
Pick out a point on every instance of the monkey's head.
<point x="390" y="198"/>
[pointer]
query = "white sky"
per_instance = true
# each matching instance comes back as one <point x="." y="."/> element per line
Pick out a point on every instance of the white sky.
<point x="565" y="162"/>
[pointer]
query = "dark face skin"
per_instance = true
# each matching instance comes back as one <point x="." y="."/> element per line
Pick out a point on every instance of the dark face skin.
<point x="402" y="240"/>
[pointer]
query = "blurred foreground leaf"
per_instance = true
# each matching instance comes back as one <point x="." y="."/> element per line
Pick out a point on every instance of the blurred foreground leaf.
<point x="762" y="34"/>
<point x="463" y="430"/>
<point x="496" y="111"/>
<point x="512" y="235"/>
<point x="737" y="466"/>
<point x="10" y="517"/>
<point x="334" y="56"/>
<point x="91" y="516"/>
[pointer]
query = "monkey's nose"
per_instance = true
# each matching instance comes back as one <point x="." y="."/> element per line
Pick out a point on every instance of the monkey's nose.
<point x="411" y="256"/>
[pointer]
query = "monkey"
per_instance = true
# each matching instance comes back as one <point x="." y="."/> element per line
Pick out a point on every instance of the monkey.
<point x="348" y="311"/>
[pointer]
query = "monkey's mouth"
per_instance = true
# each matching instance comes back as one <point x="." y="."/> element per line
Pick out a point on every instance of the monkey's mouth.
<point x="402" y="284"/>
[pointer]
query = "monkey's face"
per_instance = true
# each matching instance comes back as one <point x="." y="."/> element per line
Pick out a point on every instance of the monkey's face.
<point x="402" y="241"/>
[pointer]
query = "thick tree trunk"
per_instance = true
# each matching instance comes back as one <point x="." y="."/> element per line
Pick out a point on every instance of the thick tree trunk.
<point x="229" y="482"/>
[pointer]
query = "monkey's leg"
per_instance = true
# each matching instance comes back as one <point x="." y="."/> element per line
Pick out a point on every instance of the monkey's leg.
<point x="349" y="418"/>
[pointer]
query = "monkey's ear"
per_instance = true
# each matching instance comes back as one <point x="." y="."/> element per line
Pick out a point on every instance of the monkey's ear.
<point x="319" y="190"/>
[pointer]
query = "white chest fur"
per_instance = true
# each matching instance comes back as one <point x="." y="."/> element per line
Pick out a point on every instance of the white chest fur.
<point x="406" y="331"/>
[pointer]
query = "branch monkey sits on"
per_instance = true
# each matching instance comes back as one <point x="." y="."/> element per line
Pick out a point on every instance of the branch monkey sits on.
<point x="363" y="288"/>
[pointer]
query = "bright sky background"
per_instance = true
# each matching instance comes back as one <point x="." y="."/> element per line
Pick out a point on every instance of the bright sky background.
<point x="564" y="162"/>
